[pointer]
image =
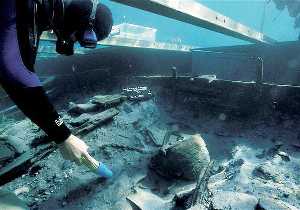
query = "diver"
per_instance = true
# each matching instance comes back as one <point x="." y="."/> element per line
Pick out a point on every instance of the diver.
<point x="21" y="25"/>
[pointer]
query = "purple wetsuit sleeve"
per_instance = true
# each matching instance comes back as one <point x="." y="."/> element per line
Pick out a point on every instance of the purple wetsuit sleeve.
<point x="11" y="64"/>
<point x="21" y="84"/>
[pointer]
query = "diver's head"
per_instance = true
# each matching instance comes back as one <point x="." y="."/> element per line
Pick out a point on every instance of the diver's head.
<point x="85" y="21"/>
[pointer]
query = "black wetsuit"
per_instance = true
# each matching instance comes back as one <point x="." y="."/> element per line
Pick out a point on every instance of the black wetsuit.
<point x="17" y="77"/>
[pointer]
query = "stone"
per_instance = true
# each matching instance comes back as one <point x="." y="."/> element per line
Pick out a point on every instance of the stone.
<point x="297" y="193"/>
<point x="82" y="108"/>
<point x="64" y="203"/>
<point x="222" y="117"/>
<point x="268" y="172"/>
<point x="7" y="152"/>
<point x="272" y="204"/>
<point x="21" y="190"/>
<point x="198" y="207"/>
<point x="185" y="159"/>
<point x="233" y="200"/>
<point x="145" y="200"/>
<point x="284" y="156"/>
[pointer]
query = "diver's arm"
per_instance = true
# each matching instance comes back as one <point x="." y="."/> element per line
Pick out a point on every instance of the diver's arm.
<point x="23" y="85"/>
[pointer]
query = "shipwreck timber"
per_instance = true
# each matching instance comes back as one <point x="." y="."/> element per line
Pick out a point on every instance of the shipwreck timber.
<point x="241" y="98"/>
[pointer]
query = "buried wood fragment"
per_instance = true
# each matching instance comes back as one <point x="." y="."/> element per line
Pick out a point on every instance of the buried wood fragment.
<point x="201" y="191"/>
<point x="78" y="121"/>
<point x="186" y="159"/>
<point x="22" y="164"/>
<point x="96" y="120"/>
<point x="105" y="101"/>
<point x="196" y="194"/>
<point x="123" y="147"/>
<point x="150" y="136"/>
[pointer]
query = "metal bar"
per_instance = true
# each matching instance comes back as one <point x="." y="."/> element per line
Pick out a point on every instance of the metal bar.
<point x="194" y="13"/>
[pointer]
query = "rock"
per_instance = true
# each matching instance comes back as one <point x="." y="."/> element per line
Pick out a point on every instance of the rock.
<point x="297" y="193"/>
<point x="107" y="100"/>
<point x="272" y="204"/>
<point x="21" y="190"/>
<point x="284" y="156"/>
<point x="233" y="168"/>
<point x="270" y="153"/>
<point x="9" y="201"/>
<point x="148" y="201"/>
<point x="233" y="200"/>
<point x="268" y="172"/>
<point x="222" y="117"/>
<point x="184" y="160"/>
<point x="78" y="121"/>
<point x="7" y="152"/>
<point x="64" y="203"/>
<point x="198" y="207"/>
<point x="82" y="108"/>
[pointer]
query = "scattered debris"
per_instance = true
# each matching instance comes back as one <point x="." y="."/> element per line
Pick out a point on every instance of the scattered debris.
<point x="270" y="153"/>
<point x="241" y="180"/>
<point x="144" y="200"/>
<point x="149" y="135"/>
<point x="284" y="156"/>
<point x="7" y="152"/>
<point x="268" y="172"/>
<point x="233" y="168"/>
<point x="82" y="108"/>
<point x="198" y="207"/>
<point x="210" y="78"/>
<point x="270" y="204"/>
<point x="233" y="200"/>
<point x="201" y="192"/>
<point x="186" y="159"/>
<point x="96" y="120"/>
<point x="23" y="163"/>
<point x="123" y="147"/>
<point x="137" y="93"/>
<point x="21" y="190"/>
<point x="107" y="101"/>
<point x="78" y="121"/>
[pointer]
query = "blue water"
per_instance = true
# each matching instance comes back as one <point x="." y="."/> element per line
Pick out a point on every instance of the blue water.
<point x="276" y="24"/>
<point x="260" y="15"/>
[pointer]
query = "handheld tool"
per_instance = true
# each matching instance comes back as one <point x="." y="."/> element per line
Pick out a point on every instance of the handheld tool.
<point x="96" y="167"/>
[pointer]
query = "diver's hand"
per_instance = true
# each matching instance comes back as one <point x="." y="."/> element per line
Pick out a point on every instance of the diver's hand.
<point x="75" y="149"/>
